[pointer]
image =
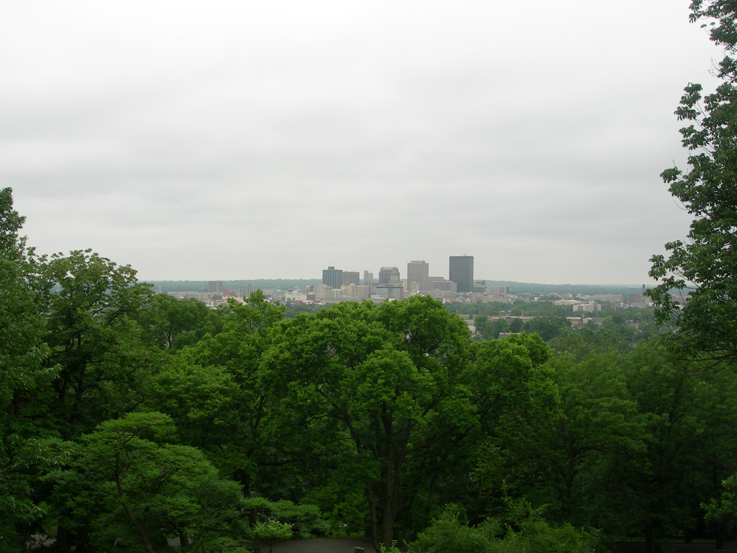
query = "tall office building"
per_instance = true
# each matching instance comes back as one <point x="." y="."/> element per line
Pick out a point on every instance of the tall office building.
<point x="351" y="277"/>
<point x="368" y="280"/>
<point x="419" y="272"/>
<point x="245" y="291"/>
<point x="389" y="275"/>
<point x="215" y="287"/>
<point x="332" y="277"/>
<point x="461" y="272"/>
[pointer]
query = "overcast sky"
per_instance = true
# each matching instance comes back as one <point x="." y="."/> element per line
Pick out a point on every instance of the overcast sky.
<point x="237" y="140"/>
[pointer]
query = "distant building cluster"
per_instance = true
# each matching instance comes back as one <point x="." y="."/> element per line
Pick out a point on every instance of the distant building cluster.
<point x="343" y="285"/>
<point x="340" y="285"/>
<point x="460" y="287"/>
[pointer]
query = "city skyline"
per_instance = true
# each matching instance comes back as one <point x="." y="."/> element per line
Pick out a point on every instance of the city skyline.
<point x="286" y="138"/>
<point x="418" y="272"/>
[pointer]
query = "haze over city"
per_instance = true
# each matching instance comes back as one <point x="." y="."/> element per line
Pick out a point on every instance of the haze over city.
<point x="233" y="141"/>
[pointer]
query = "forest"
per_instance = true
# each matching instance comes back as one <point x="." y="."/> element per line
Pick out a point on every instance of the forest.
<point x="129" y="419"/>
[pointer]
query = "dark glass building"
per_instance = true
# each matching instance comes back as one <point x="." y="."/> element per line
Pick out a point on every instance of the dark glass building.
<point x="461" y="272"/>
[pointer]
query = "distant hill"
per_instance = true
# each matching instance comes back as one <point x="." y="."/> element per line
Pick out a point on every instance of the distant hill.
<point x="201" y="285"/>
<point x="590" y="289"/>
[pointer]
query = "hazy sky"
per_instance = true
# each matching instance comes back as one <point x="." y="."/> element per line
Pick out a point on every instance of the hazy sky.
<point x="237" y="140"/>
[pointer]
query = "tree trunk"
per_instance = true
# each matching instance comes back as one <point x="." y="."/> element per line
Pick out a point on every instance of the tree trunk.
<point x="142" y="530"/>
<point x="387" y="507"/>
<point x="721" y="536"/>
<point x="63" y="541"/>
<point x="372" y="509"/>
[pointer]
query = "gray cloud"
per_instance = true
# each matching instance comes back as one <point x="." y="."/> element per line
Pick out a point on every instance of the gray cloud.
<point x="246" y="141"/>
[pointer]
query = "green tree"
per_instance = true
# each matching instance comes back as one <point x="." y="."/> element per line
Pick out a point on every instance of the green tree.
<point x="516" y="325"/>
<point x="11" y="243"/>
<point x="704" y="266"/>
<point x="90" y="305"/>
<point x="22" y="370"/>
<point x="721" y="512"/>
<point x="212" y="391"/>
<point x="569" y="460"/>
<point x="136" y="487"/>
<point x="547" y="327"/>
<point x="690" y="439"/>
<point x="401" y="383"/>
<point x="521" y="530"/>
<point x="384" y="374"/>
<point x="489" y="330"/>
<point x="274" y="521"/>
<point x="172" y="324"/>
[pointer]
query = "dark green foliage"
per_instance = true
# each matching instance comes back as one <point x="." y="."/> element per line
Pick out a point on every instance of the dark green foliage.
<point x="291" y="310"/>
<point x="11" y="244"/>
<point x="136" y="488"/>
<point x="540" y="309"/>
<point x="522" y="530"/>
<point x="402" y="389"/>
<point x="91" y="305"/>
<point x="486" y="309"/>
<point x="566" y="458"/>
<point x="22" y="371"/>
<point x="301" y="521"/>
<point x="381" y="377"/>
<point x="547" y="327"/>
<point x="721" y="511"/>
<point x="516" y="325"/>
<point x="690" y="437"/>
<point x="22" y="356"/>
<point x="490" y="329"/>
<point x="211" y="388"/>
<point x="172" y="324"/>
<point x="708" y="191"/>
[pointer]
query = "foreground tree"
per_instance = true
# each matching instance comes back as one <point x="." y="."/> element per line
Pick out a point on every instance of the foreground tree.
<point x="707" y="260"/>
<point x="569" y="460"/>
<point x="391" y="394"/>
<point x="378" y="375"/>
<point x="211" y="389"/>
<point x="22" y="356"/>
<point x="522" y="529"/>
<point x="135" y="486"/>
<point x="690" y="441"/>
<point x="90" y="304"/>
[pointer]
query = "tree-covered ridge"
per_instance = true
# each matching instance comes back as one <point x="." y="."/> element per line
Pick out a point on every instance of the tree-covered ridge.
<point x="202" y="285"/>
